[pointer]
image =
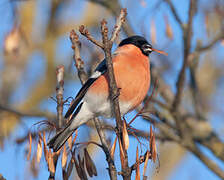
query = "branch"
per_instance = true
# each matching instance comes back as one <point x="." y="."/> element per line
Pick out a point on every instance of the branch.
<point x="187" y="46"/>
<point x="33" y="113"/>
<point x="77" y="57"/>
<point x="59" y="94"/>
<point x="114" y="92"/>
<point x="86" y="34"/>
<point x="83" y="77"/>
<point x="140" y="161"/>
<point x="208" y="162"/>
<point x="216" y="39"/>
<point x="60" y="103"/>
<point x="117" y="27"/>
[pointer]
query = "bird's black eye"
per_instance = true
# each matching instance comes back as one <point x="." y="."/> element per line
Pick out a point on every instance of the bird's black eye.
<point x="146" y="49"/>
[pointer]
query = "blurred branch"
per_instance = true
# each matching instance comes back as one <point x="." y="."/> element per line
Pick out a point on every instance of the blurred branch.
<point x="187" y="35"/>
<point x="174" y="12"/>
<point x="33" y="113"/>
<point x="208" y="162"/>
<point x="216" y="39"/>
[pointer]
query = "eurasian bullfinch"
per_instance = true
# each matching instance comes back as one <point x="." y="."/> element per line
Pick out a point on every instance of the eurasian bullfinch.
<point x="132" y="74"/>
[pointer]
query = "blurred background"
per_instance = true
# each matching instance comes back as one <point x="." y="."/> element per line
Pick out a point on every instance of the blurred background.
<point x="34" y="40"/>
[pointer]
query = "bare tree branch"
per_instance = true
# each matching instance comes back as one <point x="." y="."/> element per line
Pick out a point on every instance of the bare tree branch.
<point x="175" y="14"/>
<point x="86" y="34"/>
<point x="83" y="77"/>
<point x="59" y="94"/>
<point x="217" y="38"/>
<point x="33" y="113"/>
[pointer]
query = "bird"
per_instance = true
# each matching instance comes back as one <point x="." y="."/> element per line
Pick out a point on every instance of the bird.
<point x="131" y="66"/>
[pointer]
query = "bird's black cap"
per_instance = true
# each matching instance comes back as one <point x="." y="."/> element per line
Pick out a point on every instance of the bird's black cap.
<point x="138" y="41"/>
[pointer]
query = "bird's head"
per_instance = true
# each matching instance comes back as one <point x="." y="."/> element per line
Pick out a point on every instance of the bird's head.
<point x="141" y="43"/>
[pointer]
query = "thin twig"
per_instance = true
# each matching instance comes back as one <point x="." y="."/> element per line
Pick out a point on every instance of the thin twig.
<point x="77" y="57"/>
<point x="217" y="38"/>
<point x="86" y="34"/>
<point x="119" y="22"/>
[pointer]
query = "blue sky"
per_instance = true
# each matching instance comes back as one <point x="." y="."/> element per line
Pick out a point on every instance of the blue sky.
<point x="13" y="164"/>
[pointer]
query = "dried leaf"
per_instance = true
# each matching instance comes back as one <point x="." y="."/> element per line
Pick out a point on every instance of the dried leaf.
<point x="153" y="32"/>
<point x="33" y="167"/>
<point x="81" y="165"/>
<point x="90" y="166"/>
<point x="51" y="162"/>
<point x="39" y="150"/>
<point x="169" y="31"/>
<point x="222" y="42"/>
<point x="137" y="177"/>
<point x="112" y="150"/>
<point x="154" y="151"/>
<point x="125" y="136"/>
<point x="12" y="41"/>
<point x="45" y="148"/>
<point x="70" y="167"/>
<point x="146" y="163"/>
<point x="64" y="158"/>
<point x="76" y="134"/>
<point x="70" y="143"/>
<point x="78" y="169"/>
<point x="30" y="147"/>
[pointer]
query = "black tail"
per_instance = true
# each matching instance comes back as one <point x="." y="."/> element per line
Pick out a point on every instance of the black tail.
<point x="60" y="138"/>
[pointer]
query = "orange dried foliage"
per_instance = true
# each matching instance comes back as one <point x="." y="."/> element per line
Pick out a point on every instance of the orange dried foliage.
<point x="112" y="150"/>
<point x="70" y="143"/>
<point x="30" y="147"/>
<point x="137" y="177"/>
<point x="146" y="163"/>
<point x="152" y="141"/>
<point x="125" y="136"/>
<point x="39" y="150"/>
<point x="154" y="151"/>
<point x="64" y="158"/>
<point x="153" y="32"/>
<point x="50" y="161"/>
<point x="76" y="134"/>
<point x="169" y="31"/>
<point x="46" y="154"/>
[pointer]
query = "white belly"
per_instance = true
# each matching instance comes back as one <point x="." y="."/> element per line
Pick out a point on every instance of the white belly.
<point x="100" y="105"/>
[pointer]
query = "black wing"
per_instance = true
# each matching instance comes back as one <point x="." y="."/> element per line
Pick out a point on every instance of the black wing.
<point x="101" y="69"/>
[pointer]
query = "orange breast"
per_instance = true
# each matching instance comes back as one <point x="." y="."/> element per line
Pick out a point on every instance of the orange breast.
<point x="131" y="70"/>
